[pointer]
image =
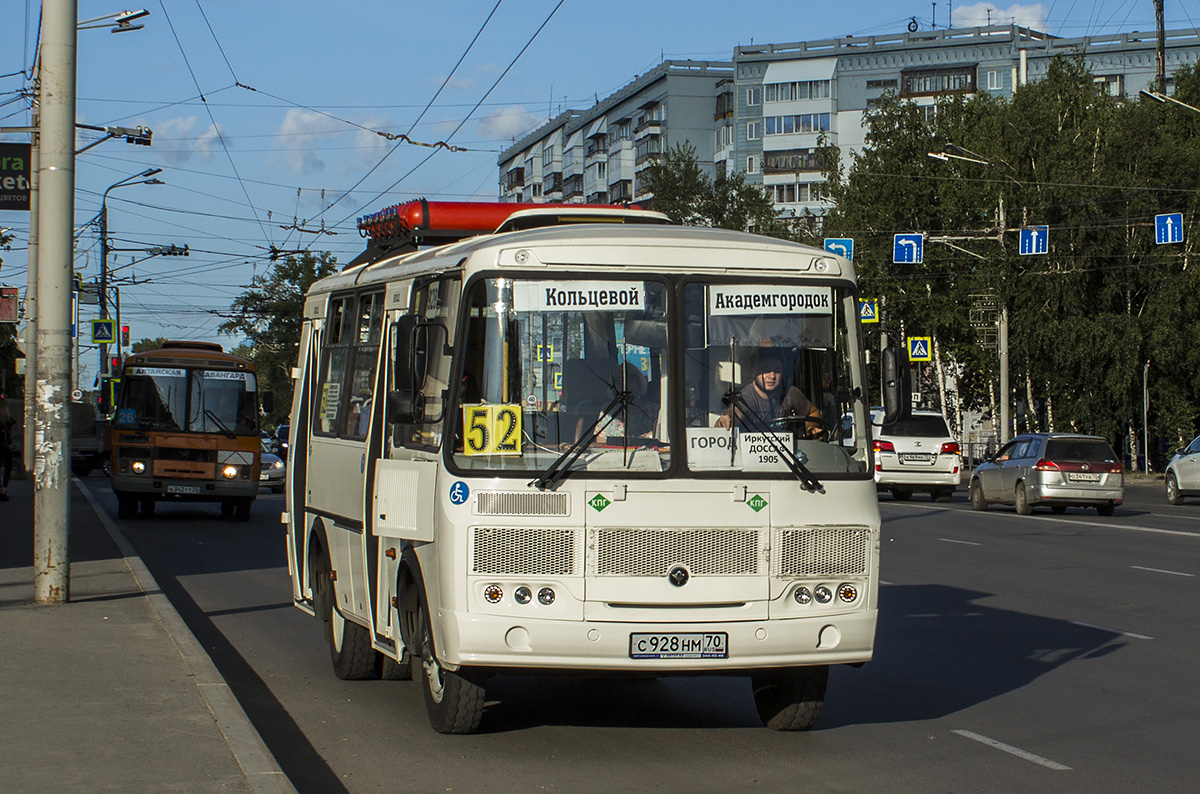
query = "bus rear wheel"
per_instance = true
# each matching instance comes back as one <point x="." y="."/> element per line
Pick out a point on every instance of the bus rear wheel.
<point x="790" y="699"/>
<point x="453" y="700"/>
<point x="350" y="648"/>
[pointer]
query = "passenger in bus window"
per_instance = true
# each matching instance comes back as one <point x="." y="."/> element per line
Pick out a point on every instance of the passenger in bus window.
<point x="768" y="396"/>
<point x="642" y="414"/>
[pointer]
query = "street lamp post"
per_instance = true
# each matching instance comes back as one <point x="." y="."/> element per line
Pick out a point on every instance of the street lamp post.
<point x="144" y="178"/>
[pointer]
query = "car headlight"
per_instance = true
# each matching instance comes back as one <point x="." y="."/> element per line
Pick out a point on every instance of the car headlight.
<point x="277" y="465"/>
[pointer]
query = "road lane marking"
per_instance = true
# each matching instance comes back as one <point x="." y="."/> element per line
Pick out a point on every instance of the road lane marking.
<point x="1161" y="570"/>
<point x="1111" y="631"/>
<point x="1017" y="751"/>
<point x="964" y="542"/>
<point x="1043" y="518"/>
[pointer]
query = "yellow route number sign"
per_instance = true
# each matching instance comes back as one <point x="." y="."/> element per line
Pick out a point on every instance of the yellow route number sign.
<point x="491" y="429"/>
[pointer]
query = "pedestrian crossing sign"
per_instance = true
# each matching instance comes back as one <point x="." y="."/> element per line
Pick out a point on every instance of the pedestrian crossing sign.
<point x="104" y="332"/>
<point x="919" y="348"/>
<point x="868" y="310"/>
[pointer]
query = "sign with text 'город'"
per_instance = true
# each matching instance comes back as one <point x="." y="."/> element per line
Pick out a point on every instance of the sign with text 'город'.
<point x="14" y="176"/>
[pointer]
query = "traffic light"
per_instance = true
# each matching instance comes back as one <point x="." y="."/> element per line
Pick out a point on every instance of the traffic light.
<point x="104" y="400"/>
<point x="124" y="336"/>
<point x="114" y="367"/>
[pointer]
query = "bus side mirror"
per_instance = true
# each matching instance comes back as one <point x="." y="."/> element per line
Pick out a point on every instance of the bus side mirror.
<point x="412" y="353"/>
<point x="405" y="407"/>
<point x="268" y="402"/>
<point x="897" y="386"/>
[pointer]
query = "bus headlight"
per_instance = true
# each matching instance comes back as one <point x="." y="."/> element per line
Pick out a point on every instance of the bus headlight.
<point x="847" y="593"/>
<point x="230" y="472"/>
<point x="138" y="467"/>
<point x="493" y="593"/>
<point x="523" y="595"/>
<point x="824" y="594"/>
<point x="545" y="596"/>
<point x="802" y="595"/>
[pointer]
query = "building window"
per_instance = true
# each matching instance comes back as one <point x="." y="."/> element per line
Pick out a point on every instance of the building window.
<point x="805" y="122"/>
<point x="569" y="157"/>
<point x="547" y="158"/>
<point x="751" y="165"/>
<point x="931" y="82"/>
<point x="1111" y="84"/>
<point x="754" y="96"/>
<point x="536" y="189"/>
<point x="893" y="83"/>
<point x="753" y="130"/>
<point x="602" y="170"/>
<point x="724" y="106"/>
<point x="785" y="161"/>
<point x="514" y="179"/>
<point x="995" y="81"/>
<point x="804" y="89"/>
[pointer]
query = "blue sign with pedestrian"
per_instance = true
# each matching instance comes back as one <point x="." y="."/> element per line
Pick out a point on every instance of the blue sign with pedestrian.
<point x="104" y="332"/>
<point x="1035" y="240"/>
<point x="459" y="492"/>
<point x="1168" y="228"/>
<point x="920" y="348"/>
<point x="842" y="246"/>
<point x="868" y="310"/>
<point x="908" y="249"/>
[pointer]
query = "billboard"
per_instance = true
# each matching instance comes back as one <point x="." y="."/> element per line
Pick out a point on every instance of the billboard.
<point x="14" y="176"/>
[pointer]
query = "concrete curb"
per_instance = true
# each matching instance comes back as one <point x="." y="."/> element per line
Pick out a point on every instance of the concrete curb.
<point x="262" y="771"/>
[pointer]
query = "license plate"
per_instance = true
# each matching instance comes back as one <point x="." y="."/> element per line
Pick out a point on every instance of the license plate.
<point x="264" y="477"/>
<point x="915" y="457"/>
<point x="183" y="489"/>
<point x="686" y="645"/>
<point x="1077" y="477"/>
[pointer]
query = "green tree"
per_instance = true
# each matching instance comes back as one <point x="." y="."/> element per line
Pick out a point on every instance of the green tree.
<point x="269" y="315"/>
<point x="142" y="345"/>
<point x="685" y="194"/>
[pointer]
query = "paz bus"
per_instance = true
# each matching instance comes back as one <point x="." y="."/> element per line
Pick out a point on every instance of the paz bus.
<point x="509" y="456"/>
<point x="186" y="429"/>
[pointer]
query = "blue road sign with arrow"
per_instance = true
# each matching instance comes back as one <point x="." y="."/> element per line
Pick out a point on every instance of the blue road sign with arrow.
<point x="1168" y="228"/>
<point x="908" y="249"/>
<point x="842" y="246"/>
<point x="1035" y="240"/>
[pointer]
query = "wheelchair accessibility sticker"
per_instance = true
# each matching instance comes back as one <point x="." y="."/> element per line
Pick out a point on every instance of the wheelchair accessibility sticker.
<point x="459" y="493"/>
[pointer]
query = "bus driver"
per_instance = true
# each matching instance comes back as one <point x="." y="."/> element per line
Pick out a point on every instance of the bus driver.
<point x="766" y="397"/>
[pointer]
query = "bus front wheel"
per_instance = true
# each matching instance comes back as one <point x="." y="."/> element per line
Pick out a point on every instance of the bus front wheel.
<point x="790" y="699"/>
<point x="350" y="648"/>
<point x="453" y="700"/>
<point x="127" y="505"/>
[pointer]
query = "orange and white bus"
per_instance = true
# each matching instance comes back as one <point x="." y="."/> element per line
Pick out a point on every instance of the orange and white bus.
<point x="515" y="453"/>
<point x="186" y="429"/>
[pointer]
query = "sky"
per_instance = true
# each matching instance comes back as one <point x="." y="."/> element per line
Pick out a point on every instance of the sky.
<point x="267" y="114"/>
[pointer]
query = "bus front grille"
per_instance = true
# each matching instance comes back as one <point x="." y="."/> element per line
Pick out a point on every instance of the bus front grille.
<point x="652" y="552"/>
<point x="821" y="551"/>
<point x="499" y="503"/>
<point x="523" y="551"/>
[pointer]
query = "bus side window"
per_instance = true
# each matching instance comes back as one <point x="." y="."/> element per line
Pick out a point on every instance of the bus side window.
<point x="437" y="304"/>
<point x="333" y="375"/>
<point x="369" y="327"/>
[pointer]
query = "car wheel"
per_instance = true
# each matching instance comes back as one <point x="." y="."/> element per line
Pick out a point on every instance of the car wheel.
<point x="1106" y="510"/>
<point x="790" y="700"/>
<point x="277" y="489"/>
<point x="1173" y="489"/>
<point x="901" y="494"/>
<point x="1059" y="509"/>
<point x="1022" y="499"/>
<point x="977" y="500"/>
<point x="350" y="648"/>
<point x="454" y="701"/>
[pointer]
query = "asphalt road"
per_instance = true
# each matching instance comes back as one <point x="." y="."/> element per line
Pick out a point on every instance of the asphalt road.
<point x="1040" y="653"/>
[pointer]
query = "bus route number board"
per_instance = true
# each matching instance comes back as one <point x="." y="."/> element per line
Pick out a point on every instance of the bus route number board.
<point x="680" y="645"/>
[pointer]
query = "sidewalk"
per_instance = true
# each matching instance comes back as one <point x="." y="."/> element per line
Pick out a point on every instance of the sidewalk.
<point x="110" y="692"/>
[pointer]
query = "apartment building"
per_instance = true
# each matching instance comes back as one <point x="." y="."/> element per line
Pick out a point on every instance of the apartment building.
<point x="764" y="112"/>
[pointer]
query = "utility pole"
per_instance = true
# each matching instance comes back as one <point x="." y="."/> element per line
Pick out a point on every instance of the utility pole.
<point x="31" y="303"/>
<point x="103" y="286"/>
<point x="56" y="177"/>
<point x="1160" y="49"/>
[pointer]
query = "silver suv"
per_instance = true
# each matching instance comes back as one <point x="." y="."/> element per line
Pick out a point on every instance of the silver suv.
<point x="1183" y="473"/>
<point x="1057" y="469"/>
<point x="915" y="454"/>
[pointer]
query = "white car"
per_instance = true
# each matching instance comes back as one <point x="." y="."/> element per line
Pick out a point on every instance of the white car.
<point x="915" y="454"/>
<point x="272" y="471"/>
<point x="1183" y="473"/>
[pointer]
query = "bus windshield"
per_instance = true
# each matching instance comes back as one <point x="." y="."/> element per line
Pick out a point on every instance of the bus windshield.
<point x="188" y="399"/>
<point x="576" y="374"/>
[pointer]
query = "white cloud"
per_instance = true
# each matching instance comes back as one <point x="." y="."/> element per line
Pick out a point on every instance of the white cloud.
<point x="175" y="140"/>
<point x="507" y="124"/>
<point x="1029" y="16"/>
<point x="300" y="135"/>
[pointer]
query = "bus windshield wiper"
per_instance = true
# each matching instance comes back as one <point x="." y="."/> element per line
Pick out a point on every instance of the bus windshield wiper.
<point x="217" y="421"/>
<point x="739" y="407"/>
<point x="555" y="472"/>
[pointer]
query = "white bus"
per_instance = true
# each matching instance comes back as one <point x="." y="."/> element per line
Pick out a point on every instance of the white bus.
<point x="516" y="453"/>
